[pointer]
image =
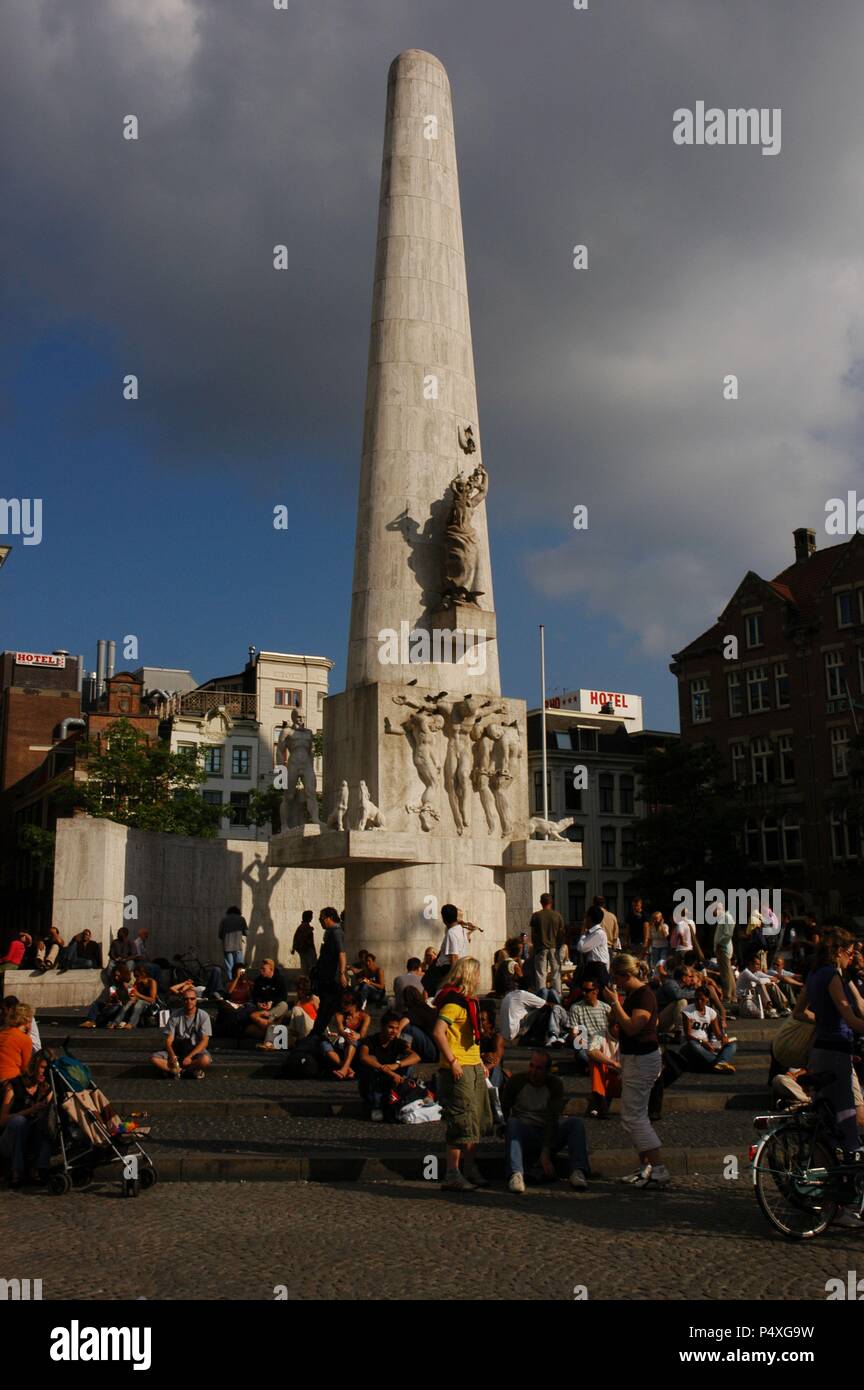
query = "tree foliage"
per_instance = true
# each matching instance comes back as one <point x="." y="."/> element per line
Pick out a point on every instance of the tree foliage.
<point x="141" y="783"/>
<point x="693" y="827"/>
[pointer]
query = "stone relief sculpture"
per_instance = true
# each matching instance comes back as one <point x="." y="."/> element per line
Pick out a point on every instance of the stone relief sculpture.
<point x="482" y="770"/>
<point x="460" y="717"/>
<point x="467" y="442"/>
<point x="461" y="551"/>
<point x="549" y="829"/>
<point x="422" y="728"/>
<point x="506" y="752"/>
<point x="294" y="750"/>
<point x="369" y="817"/>
<point x="336" y="819"/>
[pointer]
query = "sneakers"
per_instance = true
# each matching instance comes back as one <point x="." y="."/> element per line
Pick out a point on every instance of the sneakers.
<point x="850" y="1220"/>
<point x="516" y="1183"/>
<point x="377" y="1115"/>
<point x="555" y="1042"/>
<point x="772" y="1013"/>
<point x="656" y="1176"/>
<point x="456" y="1181"/>
<point x="638" y="1175"/>
<point x="578" y="1180"/>
<point x="724" y="1066"/>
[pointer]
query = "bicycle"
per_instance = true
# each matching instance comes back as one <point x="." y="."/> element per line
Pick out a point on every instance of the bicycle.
<point x="799" y="1173"/>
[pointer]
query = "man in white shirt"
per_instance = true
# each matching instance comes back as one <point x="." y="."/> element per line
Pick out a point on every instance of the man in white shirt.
<point x="519" y="1011"/>
<point x="455" y="946"/>
<point x="593" y="947"/>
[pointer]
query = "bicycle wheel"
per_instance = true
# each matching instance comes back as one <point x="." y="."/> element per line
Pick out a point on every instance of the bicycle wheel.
<point x="795" y="1185"/>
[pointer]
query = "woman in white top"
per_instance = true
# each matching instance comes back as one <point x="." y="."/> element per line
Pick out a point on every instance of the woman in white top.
<point x="703" y="1040"/>
<point x="656" y="939"/>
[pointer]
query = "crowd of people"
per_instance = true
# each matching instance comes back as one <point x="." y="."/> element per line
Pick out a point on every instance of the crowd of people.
<point x="635" y="1004"/>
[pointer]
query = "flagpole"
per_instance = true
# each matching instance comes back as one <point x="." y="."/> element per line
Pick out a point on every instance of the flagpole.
<point x="543" y="722"/>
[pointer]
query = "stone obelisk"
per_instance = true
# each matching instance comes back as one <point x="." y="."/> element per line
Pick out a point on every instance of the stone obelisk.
<point x="425" y="772"/>
<point x="420" y="386"/>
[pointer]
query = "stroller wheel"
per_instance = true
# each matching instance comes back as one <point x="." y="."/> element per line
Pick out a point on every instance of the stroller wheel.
<point x="147" y="1178"/>
<point x="59" y="1184"/>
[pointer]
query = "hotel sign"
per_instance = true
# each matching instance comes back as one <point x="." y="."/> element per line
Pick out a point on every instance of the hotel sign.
<point x="627" y="707"/>
<point x="39" y="659"/>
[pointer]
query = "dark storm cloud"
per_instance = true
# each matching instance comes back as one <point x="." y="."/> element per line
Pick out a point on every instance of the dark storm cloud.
<point x="600" y="387"/>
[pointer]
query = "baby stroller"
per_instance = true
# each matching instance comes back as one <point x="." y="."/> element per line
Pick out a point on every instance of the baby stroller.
<point x="91" y="1134"/>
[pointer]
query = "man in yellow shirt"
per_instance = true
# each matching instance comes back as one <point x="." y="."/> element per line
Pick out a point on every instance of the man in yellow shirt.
<point x="462" y="1089"/>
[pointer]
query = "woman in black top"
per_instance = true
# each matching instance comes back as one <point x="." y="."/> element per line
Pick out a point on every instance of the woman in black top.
<point x="633" y="1021"/>
<point x="25" y="1113"/>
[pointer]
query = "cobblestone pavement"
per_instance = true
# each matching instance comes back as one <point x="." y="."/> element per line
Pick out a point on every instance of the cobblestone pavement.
<point x="408" y="1240"/>
<point x="303" y="1134"/>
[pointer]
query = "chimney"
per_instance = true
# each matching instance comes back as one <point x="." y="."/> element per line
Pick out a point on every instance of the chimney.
<point x="805" y="544"/>
<point x="101" y="653"/>
<point x="112" y="648"/>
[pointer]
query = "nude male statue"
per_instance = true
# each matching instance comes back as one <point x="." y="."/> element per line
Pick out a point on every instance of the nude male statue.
<point x="294" y="749"/>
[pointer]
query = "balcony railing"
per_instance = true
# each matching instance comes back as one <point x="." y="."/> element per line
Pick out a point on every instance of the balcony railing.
<point x="238" y="704"/>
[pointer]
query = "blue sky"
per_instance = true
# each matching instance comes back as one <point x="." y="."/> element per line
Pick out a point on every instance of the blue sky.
<point x="601" y="387"/>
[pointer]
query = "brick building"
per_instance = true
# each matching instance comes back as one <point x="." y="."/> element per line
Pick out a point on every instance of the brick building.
<point x="777" y="683"/>
<point x="40" y="693"/>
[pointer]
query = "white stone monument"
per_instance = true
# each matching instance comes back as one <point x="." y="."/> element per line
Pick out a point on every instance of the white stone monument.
<point x="422" y="735"/>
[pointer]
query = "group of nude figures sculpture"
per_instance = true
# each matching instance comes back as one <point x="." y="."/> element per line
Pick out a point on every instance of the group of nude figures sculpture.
<point x="482" y="751"/>
<point x="480" y="754"/>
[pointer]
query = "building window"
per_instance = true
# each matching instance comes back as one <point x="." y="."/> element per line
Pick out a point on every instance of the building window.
<point x="626" y="795"/>
<point x="835" y="675"/>
<point x="791" y="838"/>
<point x="757" y="689"/>
<point x="840" y="846"/>
<point x="576" y="900"/>
<point x="212" y="798"/>
<point x="736" y="694"/>
<point x="770" y="840"/>
<point x="213" y="762"/>
<point x="786" y="756"/>
<point x="781" y="685"/>
<point x="538" y="792"/>
<point x="608" y="836"/>
<point x="241" y="760"/>
<point x="751" y="841"/>
<point x="840" y="752"/>
<point x="753" y="630"/>
<point x="572" y="795"/>
<point x="845" y="608"/>
<point x="186" y="747"/>
<point x="628" y="848"/>
<point x="762" y="761"/>
<point x="285" y="698"/>
<point x="610" y="893"/>
<point x="576" y="833"/>
<point x="239" y="808"/>
<point x="607" y="794"/>
<point x="587" y="740"/>
<point x="739" y="764"/>
<point x="700" y="701"/>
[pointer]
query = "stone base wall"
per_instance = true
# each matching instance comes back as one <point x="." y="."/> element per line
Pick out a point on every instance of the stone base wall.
<point x="107" y="876"/>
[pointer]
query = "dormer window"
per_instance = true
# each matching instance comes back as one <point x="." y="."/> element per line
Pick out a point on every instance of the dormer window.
<point x="753" y="632"/>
